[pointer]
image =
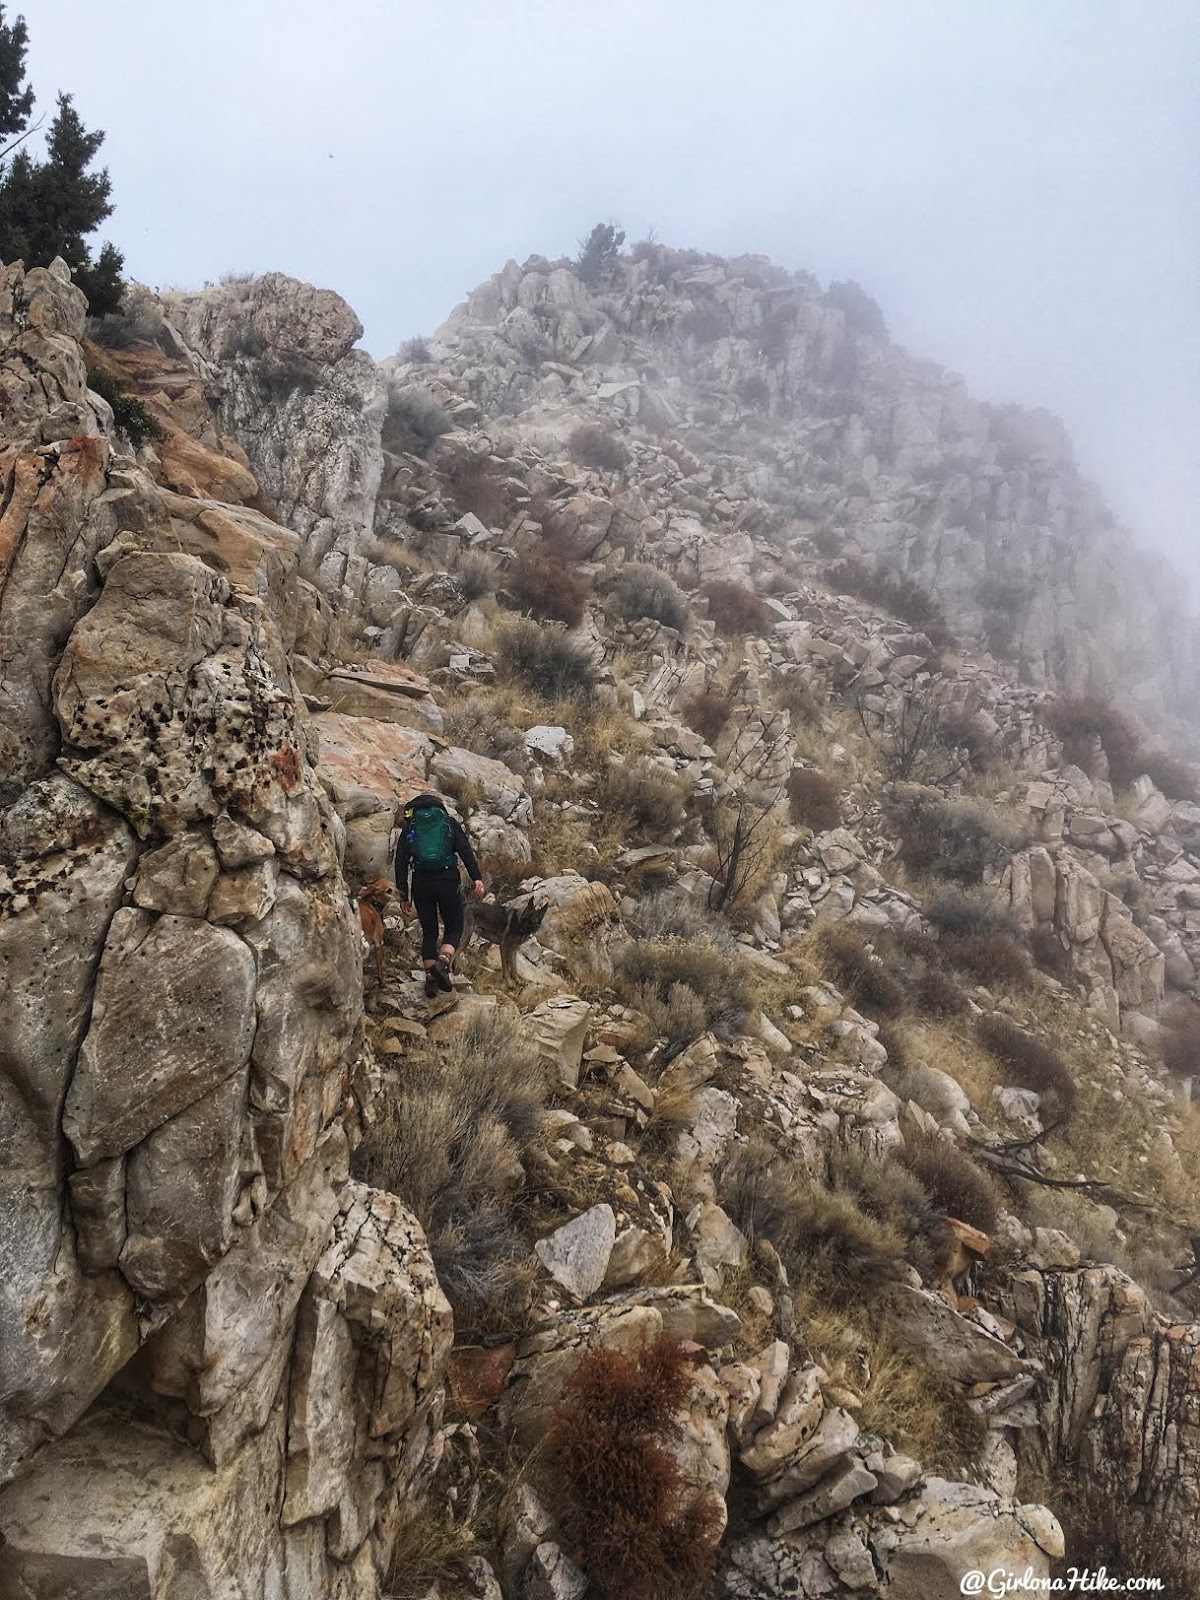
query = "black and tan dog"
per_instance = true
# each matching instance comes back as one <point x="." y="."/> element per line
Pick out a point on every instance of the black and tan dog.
<point x="507" y="924"/>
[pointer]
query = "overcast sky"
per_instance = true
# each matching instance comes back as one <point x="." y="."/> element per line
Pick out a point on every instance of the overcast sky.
<point x="1017" y="182"/>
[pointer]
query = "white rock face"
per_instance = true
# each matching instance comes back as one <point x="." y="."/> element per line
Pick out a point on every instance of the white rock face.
<point x="576" y="1255"/>
<point x="306" y="406"/>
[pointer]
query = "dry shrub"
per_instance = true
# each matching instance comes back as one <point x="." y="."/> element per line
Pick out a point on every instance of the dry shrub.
<point x="648" y="800"/>
<point x="546" y="661"/>
<point x="903" y="597"/>
<point x="938" y="995"/>
<point x="955" y="839"/>
<point x="736" y="611"/>
<point x="620" y="1496"/>
<point x="476" y="724"/>
<point x="1032" y="1062"/>
<point x="673" y="914"/>
<point x="823" y="1236"/>
<point x="645" y="591"/>
<point x="1079" y="719"/>
<point x="1172" y="777"/>
<point x="992" y="959"/>
<point x="1181" y="1039"/>
<point x="961" y="912"/>
<point x="592" y="445"/>
<point x="414" y="420"/>
<point x="814" y="799"/>
<point x="954" y="1184"/>
<point x="804" y="699"/>
<point x="860" y="973"/>
<point x="708" y="712"/>
<point x="706" y="324"/>
<point x="479" y="487"/>
<point x="543" y="584"/>
<point x="720" y="981"/>
<point x="448" y="1141"/>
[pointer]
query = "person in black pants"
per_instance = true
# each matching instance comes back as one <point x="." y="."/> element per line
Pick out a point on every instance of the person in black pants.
<point x="432" y="843"/>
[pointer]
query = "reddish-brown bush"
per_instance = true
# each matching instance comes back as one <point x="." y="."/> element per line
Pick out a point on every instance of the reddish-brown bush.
<point x="814" y="799"/>
<point x="736" y="610"/>
<point x="861" y="974"/>
<point x="545" y="586"/>
<point x="955" y="1185"/>
<point x="592" y="445"/>
<point x="1080" y="719"/>
<point x="476" y="485"/>
<point x="708" y="712"/>
<point x="903" y="597"/>
<point x="620" y="1496"/>
<point x="1033" y="1063"/>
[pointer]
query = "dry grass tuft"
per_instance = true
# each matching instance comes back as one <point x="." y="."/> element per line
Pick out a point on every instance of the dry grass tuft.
<point x="448" y="1141"/>
<point x="859" y="972"/>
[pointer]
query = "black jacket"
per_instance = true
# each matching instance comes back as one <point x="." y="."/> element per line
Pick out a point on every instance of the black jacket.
<point x="462" y="849"/>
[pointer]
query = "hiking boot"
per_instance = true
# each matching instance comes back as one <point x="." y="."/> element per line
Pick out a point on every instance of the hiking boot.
<point x="431" y="984"/>
<point x="441" y="974"/>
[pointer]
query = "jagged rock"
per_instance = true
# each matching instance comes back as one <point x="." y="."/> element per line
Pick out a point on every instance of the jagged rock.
<point x="306" y="406"/>
<point x="556" y="744"/>
<point x="959" y="1529"/>
<point x="119" y="1507"/>
<point x="717" y="1243"/>
<point x="488" y="783"/>
<point x="841" y="1488"/>
<point x="956" y="1346"/>
<point x="808" y="1455"/>
<point x="577" y="1254"/>
<point x="553" y="1576"/>
<point x="526" y="1524"/>
<point x="557" y="1029"/>
<point x="849" y="1557"/>
<point x="1119" y="1381"/>
<point x="388" y="692"/>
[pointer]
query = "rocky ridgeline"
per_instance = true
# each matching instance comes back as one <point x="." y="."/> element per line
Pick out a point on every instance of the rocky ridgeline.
<point x="224" y="660"/>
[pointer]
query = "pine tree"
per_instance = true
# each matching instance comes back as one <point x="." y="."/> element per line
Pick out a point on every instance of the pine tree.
<point x="16" y="96"/>
<point x="48" y="207"/>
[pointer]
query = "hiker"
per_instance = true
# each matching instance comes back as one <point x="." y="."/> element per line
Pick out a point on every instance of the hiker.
<point x="432" y="843"/>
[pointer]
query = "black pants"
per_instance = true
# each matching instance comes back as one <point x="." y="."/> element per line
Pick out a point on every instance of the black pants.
<point x="438" y="894"/>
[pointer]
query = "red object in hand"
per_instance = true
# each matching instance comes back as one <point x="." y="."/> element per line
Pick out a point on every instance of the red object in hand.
<point x="480" y="891"/>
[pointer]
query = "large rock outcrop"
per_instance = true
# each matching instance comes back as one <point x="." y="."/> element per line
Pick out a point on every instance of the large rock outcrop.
<point x="223" y="1359"/>
<point x="806" y="406"/>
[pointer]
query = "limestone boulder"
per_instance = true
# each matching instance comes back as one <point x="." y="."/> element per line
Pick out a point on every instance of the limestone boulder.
<point x="557" y="1028"/>
<point x="487" y="784"/>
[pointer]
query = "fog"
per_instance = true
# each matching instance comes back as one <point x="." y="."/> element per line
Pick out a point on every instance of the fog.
<point x="1015" y="181"/>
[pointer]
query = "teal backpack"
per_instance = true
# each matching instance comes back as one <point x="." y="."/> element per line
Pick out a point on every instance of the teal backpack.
<point x="429" y="838"/>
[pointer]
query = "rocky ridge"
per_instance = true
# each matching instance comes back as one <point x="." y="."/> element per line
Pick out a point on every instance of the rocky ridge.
<point x="236" y="1356"/>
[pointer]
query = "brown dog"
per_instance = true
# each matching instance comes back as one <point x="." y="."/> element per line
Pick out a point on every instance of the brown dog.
<point x="372" y="900"/>
<point x="506" y="924"/>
